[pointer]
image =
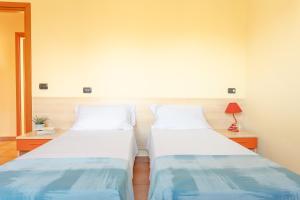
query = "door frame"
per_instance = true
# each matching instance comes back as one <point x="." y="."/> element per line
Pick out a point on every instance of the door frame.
<point x="19" y="76"/>
<point x="26" y="8"/>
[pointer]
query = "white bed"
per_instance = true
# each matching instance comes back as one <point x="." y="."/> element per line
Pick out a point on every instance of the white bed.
<point x="163" y="142"/>
<point x="93" y="160"/>
<point x="89" y="144"/>
<point x="203" y="164"/>
<point x="189" y="160"/>
<point x="183" y="130"/>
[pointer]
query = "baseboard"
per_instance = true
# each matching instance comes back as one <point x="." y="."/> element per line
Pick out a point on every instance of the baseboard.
<point x="7" y="138"/>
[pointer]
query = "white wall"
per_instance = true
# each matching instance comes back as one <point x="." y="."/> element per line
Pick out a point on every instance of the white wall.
<point x="273" y="86"/>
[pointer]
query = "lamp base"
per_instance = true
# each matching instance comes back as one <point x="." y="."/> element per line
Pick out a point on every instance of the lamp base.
<point x="233" y="128"/>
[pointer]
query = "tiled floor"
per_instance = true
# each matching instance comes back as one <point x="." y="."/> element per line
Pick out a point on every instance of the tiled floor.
<point x="141" y="168"/>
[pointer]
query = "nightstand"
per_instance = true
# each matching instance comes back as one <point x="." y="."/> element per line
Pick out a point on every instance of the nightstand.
<point x="244" y="138"/>
<point x="30" y="141"/>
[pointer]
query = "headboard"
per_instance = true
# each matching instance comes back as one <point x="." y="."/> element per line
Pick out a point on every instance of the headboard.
<point x="61" y="111"/>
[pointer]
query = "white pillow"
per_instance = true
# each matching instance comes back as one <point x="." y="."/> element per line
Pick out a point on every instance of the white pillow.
<point x="178" y="117"/>
<point x="99" y="117"/>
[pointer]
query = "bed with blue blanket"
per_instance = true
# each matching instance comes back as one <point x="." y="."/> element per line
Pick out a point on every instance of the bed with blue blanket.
<point x="248" y="177"/>
<point x="204" y="165"/>
<point x="65" y="178"/>
<point x="77" y="165"/>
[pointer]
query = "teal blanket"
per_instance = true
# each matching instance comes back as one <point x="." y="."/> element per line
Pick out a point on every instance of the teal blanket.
<point x="65" y="178"/>
<point x="248" y="177"/>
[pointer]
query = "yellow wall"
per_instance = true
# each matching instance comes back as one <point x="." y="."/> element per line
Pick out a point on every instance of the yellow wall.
<point x="172" y="48"/>
<point x="273" y="86"/>
<point x="9" y="24"/>
<point x="134" y="48"/>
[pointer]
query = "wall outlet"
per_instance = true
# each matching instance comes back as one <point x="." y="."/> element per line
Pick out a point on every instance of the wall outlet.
<point x="231" y="90"/>
<point x="87" y="90"/>
<point x="43" y="86"/>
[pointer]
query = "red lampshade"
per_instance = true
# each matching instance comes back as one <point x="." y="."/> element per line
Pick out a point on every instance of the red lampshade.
<point x="233" y="108"/>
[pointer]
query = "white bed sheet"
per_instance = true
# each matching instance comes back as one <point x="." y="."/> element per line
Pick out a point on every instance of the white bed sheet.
<point x="86" y="144"/>
<point x="192" y="142"/>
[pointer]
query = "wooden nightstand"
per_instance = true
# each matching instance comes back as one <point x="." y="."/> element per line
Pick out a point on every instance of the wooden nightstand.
<point x="30" y="141"/>
<point x="244" y="138"/>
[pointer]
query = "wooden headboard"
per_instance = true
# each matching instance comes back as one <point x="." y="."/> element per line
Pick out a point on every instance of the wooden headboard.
<point x="61" y="111"/>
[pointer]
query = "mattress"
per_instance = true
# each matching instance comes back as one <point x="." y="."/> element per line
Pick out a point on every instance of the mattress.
<point x="163" y="142"/>
<point x="120" y="144"/>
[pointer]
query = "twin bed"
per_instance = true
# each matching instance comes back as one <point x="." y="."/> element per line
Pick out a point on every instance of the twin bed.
<point x="202" y="164"/>
<point x="84" y="163"/>
<point x="189" y="160"/>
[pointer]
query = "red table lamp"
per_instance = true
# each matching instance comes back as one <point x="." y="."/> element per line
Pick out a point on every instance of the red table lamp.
<point x="233" y="108"/>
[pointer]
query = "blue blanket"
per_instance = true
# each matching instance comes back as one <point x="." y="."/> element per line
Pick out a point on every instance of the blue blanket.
<point x="248" y="177"/>
<point x="65" y="178"/>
